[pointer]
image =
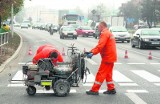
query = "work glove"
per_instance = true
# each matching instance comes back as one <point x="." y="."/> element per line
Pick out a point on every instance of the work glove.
<point x="89" y="55"/>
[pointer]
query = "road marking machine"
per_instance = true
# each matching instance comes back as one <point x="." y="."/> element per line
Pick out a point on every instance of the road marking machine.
<point x="60" y="78"/>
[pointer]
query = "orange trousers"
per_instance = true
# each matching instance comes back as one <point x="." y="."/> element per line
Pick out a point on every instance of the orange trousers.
<point x="104" y="73"/>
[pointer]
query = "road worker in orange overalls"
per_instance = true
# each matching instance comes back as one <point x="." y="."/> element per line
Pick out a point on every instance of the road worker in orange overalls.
<point x="48" y="51"/>
<point x="107" y="49"/>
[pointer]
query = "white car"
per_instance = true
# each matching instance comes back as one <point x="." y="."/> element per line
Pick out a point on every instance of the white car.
<point x="67" y="31"/>
<point x="120" y="33"/>
<point x="24" y="25"/>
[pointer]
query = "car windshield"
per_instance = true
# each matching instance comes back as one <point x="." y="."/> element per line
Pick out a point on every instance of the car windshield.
<point x="151" y="32"/>
<point x="118" y="29"/>
<point x="68" y="29"/>
<point x="86" y="28"/>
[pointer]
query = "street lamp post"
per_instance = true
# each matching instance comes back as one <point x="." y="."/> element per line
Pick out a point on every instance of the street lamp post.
<point x="12" y="20"/>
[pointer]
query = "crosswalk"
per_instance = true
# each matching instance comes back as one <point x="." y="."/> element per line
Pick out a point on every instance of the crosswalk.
<point x="118" y="77"/>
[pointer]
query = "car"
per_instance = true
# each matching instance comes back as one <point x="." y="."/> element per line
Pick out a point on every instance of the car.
<point x="16" y="25"/>
<point x="120" y="33"/>
<point x="67" y="32"/>
<point x="144" y="38"/>
<point x="85" y="31"/>
<point x="24" y="25"/>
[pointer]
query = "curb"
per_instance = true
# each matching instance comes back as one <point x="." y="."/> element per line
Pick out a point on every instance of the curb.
<point x="3" y="66"/>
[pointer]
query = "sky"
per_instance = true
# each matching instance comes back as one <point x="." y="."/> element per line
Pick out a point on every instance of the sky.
<point x="70" y="4"/>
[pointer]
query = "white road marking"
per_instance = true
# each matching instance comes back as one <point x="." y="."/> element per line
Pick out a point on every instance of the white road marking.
<point x="136" y="63"/>
<point x="88" y="84"/>
<point x="91" y="61"/>
<point x="118" y="63"/>
<point x="128" y="84"/>
<point x="18" y="76"/>
<point x="51" y="91"/>
<point x="146" y="75"/>
<point x="16" y="85"/>
<point x="25" y="63"/>
<point x="137" y="91"/>
<point x="90" y="78"/>
<point x="135" y="98"/>
<point x="155" y="63"/>
<point x="118" y="77"/>
<point x="157" y="84"/>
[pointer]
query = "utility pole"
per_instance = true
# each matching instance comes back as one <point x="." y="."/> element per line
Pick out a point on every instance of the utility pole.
<point x="12" y="20"/>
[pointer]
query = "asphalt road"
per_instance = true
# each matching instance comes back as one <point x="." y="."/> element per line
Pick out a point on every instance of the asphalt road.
<point x="137" y="78"/>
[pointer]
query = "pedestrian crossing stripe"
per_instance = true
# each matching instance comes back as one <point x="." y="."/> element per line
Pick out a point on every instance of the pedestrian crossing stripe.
<point x="51" y="91"/>
<point x="146" y="75"/>
<point x="118" y="77"/>
<point x="137" y="91"/>
<point x="157" y="84"/>
<point x="128" y="84"/>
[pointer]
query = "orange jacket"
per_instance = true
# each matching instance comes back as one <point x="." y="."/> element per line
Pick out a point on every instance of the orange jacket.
<point x="106" y="47"/>
<point x="43" y="46"/>
<point x="44" y="52"/>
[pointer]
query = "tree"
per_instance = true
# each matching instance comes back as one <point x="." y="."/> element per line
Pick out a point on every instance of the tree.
<point x="150" y="11"/>
<point x="130" y="10"/>
<point x="5" y="8"/>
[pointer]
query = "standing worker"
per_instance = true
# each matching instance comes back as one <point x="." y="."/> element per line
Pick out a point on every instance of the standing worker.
<point x="107" y="49"/>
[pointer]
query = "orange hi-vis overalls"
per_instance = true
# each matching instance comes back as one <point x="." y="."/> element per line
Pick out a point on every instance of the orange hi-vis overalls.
<point x="107" y="49"/>
<point x="44" y="52"/>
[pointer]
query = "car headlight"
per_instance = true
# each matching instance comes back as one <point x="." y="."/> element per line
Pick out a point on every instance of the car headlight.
<point x="145" y="39"/>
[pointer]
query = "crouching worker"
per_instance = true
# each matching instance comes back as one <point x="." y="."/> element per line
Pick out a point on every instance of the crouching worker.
<point x="48" y="51"/>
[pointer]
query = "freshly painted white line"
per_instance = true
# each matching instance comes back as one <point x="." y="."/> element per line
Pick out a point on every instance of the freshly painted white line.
<point x="90" y="78"/>
<point x="128" y="84"/>
<point x="25" y="63"/>
<point x="155" y="63"/>
<point x="146" y="75"/>
<point x="118" y="63"/>
<point x="16" y="85"/>
<point x="157" y="84"/>
<point x="88" y="84"/>
<point x="51" y="91"/>
<point x="90" y="61"/>
<point x="137" y="91"/>
<point x="118" y="77"/>
<point x="136" y="63"/>
<point x="18" y="76"/>
<point x="135" y="98"/>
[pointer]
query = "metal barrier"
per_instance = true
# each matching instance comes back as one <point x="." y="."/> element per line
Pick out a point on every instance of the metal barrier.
<point x="4" y="37"/>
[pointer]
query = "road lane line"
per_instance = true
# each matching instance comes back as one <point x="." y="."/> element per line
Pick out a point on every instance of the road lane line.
<point x="90" y="78"/>
<point x="128" y="84"/>
<point x="136" y="63"/>
<point x="51" y="91"/>
<point x="117" y="63"/>
<point x="146" y="75"/>
<point x="21" y="63"/>
<point x="18" y="76"/>
<point x="137" y="91"/>
<point x="155" y="63"/>
<point x="88" y="84"/>
<point x="157" y="84"/>
<point x="136" y="99"/>
<point x="16" y="85"/>
<point x="118" y="77"/>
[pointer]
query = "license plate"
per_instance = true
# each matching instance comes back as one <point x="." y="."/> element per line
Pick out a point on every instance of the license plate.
<point x="155" y="42"/>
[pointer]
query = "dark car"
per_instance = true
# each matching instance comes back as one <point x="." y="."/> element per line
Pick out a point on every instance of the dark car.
<point x="144" y="38"/>
<point x="85" y="31"/>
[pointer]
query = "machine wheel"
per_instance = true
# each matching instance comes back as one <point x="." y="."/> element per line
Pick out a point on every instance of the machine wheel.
<point x="61" y="88"/>
<point x="31" y="90"/>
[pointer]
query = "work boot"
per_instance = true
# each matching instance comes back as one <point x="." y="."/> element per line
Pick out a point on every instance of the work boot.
<point x="110" y="91"/>
<point x="92" y="93"/>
